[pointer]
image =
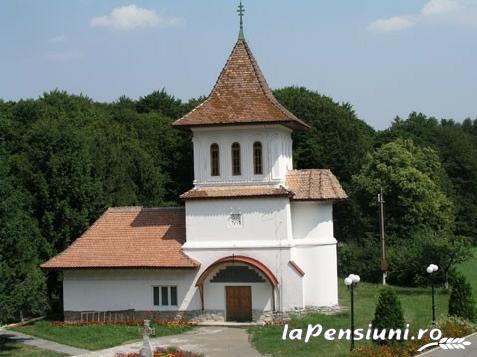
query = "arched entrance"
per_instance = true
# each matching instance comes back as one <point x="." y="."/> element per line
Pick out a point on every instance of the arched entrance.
<point x="242" y="272"/>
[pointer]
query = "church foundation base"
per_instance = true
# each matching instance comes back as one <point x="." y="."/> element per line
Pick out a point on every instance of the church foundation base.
<point x="193" y="315"/>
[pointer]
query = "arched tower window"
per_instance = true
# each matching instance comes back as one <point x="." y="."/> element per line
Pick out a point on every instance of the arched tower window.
<point x="236" y="169"/>
<point x="257" y="158"/>
<point x="214" y="160"/>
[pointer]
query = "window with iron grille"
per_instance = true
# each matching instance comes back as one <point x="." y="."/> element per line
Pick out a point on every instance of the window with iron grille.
<point x="235" y="220"/>
<point x="214" y="160"/>
<point x="236" y="169"/>
<point x="257" y="158"/>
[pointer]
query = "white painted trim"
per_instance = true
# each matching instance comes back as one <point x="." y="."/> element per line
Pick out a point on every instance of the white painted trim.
<point x="258" y="244"/>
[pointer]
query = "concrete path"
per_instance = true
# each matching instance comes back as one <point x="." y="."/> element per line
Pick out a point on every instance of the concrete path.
<point x="470" y="351"/>
<point x="41" y="343"/>
<point x="210" y="341"/>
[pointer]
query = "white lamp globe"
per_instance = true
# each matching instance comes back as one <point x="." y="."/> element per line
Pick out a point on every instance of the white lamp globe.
<point x="430" y="269"/>
<point x="355" y="278"/>
<point x="348" y="281"/>
<point x="435" y="267"/>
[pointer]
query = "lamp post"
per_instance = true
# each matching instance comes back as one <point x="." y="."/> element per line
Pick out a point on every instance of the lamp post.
<point x="351" y="281"/>
<point x="432" y="269"/>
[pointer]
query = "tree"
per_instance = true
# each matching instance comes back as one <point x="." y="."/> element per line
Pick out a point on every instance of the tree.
<point x="456" y="145"/>
<point x="410" y="259"/>
<point x="337" y="140"/>
<point x="412" y="179"/>
<point x="388" y="313"/>
<point x="461" y="302"/>
<point x="22" y="284"/>
<point x="162" y="102"/>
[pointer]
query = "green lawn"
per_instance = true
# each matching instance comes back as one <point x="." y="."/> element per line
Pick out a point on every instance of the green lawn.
<point x="93" y="337"/>
<point x="416" y="304"/>
<point x="469" y="268"/>
<point x="17" y="349"/>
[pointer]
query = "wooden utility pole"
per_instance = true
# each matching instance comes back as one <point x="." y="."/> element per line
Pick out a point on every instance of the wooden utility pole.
<point x="384" y="263"/>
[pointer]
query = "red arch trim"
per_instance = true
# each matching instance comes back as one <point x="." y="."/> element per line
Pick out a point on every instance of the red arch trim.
<point x="239" y="259"/>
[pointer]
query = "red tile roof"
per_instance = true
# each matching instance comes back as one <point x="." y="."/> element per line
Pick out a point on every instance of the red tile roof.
<point x="314" y="185"/>
<point x="236" y="191"/>
<point x="301" y="185"/>
<point x="129" y="237"/>
<point x="240" y="96"/>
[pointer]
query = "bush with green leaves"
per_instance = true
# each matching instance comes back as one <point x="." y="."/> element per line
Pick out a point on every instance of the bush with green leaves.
<point x="461" y="302"/>
<point x="388" y="313"/>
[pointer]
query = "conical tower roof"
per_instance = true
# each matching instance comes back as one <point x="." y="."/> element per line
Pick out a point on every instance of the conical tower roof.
<point x="241" y="95"/>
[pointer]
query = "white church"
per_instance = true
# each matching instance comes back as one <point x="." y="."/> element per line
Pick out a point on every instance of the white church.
<point x="254" y="237"/>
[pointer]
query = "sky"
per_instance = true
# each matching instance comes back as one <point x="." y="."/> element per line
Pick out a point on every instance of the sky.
<point x="385" y="57"/>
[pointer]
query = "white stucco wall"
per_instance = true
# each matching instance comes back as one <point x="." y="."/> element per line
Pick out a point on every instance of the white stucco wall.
<point x="263" y="219"/>
<point x="273" y="232"/>
<point x="321" y="276"/>
<point x="315" y="251"/>
<point x="103" y="290"/>
<point x="277" y="153"/>
<point x="312" y="219"/>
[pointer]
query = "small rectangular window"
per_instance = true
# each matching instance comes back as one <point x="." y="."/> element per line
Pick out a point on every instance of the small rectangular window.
<point x="156" y="296"/>
<point x="164" y="296"/>
<point x="173" y="295"/>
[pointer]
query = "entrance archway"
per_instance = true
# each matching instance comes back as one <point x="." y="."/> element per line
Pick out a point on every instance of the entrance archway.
<point x="251" y="262"/>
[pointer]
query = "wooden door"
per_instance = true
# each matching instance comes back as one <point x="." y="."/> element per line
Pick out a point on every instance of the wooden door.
<point x="239" y="303"/>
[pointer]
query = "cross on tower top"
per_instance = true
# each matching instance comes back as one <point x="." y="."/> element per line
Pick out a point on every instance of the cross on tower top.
<point x="241" y="11"/>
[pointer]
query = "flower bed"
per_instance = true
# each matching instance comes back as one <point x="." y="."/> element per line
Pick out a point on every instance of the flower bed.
<point x="450" y="327"/>
<point x="162" y="352"/>
<point x="168" y="323"/>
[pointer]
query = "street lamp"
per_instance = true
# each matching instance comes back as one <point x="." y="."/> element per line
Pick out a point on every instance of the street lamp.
<point x="351" y="281"/>
<point x="432" y="269"/>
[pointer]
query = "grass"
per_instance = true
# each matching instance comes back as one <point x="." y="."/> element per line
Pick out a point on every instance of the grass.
<point x="416" y="304"/>
<point x="93" y="337"/>
<point x="17" y="349"/>
<point x="468" y="268"/>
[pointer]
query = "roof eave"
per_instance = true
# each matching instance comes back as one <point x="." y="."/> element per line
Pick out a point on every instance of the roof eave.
<point x="294" y="125"/>
<point x="236" y="197"/>
<point x="338" y="199"/>
<point x="139" y="267"/>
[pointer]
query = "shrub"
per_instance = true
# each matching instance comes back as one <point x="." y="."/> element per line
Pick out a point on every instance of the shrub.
<point x="388" y="313"/>
<point x="402" y="350"/>
<point x="455" y="327"/>
<point x="461" y="302"/>
<point x="362" y="256"/>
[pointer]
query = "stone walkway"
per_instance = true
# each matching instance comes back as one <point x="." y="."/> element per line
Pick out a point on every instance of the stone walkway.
<point x="41" y="343"/>
<point x="210" y="341"/>
<point x="470" y="351"/>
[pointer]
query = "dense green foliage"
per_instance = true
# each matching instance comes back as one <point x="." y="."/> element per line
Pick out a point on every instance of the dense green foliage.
<point x="388" y="313"/>
<point x="64" y="159"/>
<point x="461" y="302"/>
